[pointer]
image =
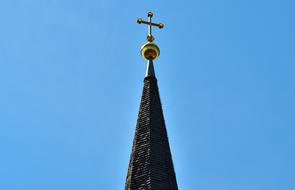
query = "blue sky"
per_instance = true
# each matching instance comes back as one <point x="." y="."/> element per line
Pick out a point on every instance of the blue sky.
<point x="71" y="79"/>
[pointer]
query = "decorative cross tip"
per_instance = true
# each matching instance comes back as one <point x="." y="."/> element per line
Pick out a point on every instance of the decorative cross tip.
<point x="150" y="37"/>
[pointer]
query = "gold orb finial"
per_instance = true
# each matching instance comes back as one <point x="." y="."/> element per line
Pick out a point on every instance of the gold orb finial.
<point x="150" y="51"/>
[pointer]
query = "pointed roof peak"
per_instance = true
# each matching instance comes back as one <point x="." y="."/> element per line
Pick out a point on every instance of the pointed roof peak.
<point x="150" y="166"/>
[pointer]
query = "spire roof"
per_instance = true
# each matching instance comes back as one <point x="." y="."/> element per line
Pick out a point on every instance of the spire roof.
<point x="150" y="166"/>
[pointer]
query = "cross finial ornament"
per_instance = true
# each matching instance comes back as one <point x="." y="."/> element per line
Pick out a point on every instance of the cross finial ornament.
<point x="150" y="37"/>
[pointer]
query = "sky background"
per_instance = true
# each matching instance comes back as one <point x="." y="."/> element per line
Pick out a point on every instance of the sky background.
<point x="71" y="79"/>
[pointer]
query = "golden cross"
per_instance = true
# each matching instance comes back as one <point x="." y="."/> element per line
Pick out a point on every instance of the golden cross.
<point x="150" y="37"/>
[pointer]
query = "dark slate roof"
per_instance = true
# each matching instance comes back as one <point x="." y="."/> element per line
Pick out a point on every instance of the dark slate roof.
<point x="150" y="166"/>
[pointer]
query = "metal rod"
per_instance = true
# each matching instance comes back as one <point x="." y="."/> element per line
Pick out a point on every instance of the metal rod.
<point x="150" y="15"/>
<point x="153" y="24"/>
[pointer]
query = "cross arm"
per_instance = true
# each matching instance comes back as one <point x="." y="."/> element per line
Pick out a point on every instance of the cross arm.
<point x="140" y="21"/>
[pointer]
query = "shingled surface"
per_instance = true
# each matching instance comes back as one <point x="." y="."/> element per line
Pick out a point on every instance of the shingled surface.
<point x="150" y="166"/>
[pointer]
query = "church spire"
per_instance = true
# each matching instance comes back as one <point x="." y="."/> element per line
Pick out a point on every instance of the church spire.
<point x="150" y="166"/>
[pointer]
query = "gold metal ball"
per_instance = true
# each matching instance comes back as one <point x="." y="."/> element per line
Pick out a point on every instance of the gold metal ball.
<point x="150" y="51"/>
<point x="139" y="21"/>
<point x="150" y="38"/>
<point x="161" y="25"/>
<point x="150" y="14"/>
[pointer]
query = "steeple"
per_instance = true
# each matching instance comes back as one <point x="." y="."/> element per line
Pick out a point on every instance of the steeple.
<point x="150" y="166"/>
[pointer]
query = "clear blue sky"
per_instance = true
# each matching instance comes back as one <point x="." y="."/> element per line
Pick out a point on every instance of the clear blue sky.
<point x="71" y="79"/>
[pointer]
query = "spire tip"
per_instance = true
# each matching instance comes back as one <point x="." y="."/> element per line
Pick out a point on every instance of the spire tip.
<point x="150" y="71"/>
